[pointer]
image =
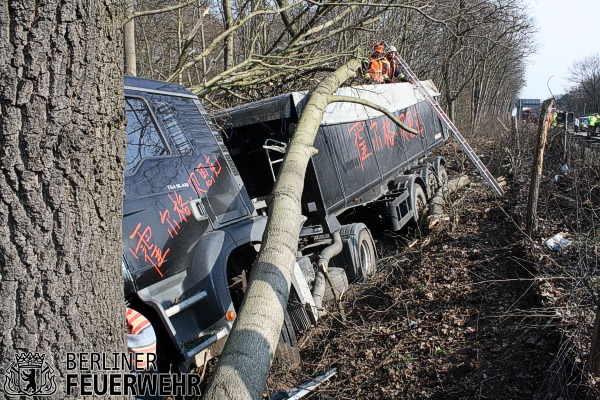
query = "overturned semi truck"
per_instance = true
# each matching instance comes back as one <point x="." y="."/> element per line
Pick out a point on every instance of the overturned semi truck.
<point x="195" y="202"/>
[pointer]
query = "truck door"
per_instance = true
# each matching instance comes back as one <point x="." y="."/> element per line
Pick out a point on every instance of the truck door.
<point x="158" y="220"/>
<point x="211" y="173"/>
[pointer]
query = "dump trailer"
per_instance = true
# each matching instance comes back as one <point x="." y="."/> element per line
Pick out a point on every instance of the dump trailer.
<point x="363" y="157"/>
<point x="195" y="209"/>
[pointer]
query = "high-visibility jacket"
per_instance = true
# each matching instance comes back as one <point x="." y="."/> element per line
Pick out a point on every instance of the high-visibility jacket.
<point x="378" y="69"/>
<point x="141" y="338"/>
<point x="592" y="120"/>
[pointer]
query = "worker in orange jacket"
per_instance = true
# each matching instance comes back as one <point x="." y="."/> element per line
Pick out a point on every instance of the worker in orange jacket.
<point x="378" y="69"/>
<point x="395" y="72"/>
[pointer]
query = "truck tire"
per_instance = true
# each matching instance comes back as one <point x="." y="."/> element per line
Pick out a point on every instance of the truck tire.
<point x="366" y="254"/>
<point x="419" y="202"/>
<point x="288" y="351"/>
<point x="358" y="257"/>
<point x="432" y="180"/>
<point x="340" y="284"/>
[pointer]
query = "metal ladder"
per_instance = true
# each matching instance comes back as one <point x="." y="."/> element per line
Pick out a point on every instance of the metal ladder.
<point x="459" y="138"/>
<point x="277" y="146"/>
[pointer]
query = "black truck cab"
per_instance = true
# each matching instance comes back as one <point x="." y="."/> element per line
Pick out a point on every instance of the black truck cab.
<point x="185" y="210"/>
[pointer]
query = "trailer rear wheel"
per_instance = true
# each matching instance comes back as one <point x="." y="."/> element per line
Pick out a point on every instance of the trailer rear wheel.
<point x="358" y="257"/>
<point x="419" y="202"/>
<point x="366" y="251"/>
<point x="432" y="180"/>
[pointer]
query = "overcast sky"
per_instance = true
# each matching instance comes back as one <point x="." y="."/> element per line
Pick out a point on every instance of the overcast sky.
<point x="567" y="30"/>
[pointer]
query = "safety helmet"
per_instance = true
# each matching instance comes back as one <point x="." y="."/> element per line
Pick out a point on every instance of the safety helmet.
<point x="391" y="48"/>
<point x="379" y="47"/>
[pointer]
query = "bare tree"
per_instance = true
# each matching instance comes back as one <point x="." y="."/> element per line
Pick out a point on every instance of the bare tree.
<point x="585" y="74"/>
<point x="287" y="44"/>
<point x="129" y="50"/>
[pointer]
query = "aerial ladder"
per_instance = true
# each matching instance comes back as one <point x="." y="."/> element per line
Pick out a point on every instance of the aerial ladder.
<point x="453" y="129"/>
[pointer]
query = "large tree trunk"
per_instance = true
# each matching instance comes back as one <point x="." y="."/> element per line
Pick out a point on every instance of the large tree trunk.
<point x="244" y="364"/>
<point x="61" y="190"/>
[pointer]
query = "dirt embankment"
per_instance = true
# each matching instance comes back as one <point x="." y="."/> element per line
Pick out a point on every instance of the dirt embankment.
<point x="471" y="310"/>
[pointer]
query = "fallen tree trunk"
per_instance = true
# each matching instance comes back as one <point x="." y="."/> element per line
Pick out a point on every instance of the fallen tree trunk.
<point x="438" y="201"/>
<point x="244" y="364"/>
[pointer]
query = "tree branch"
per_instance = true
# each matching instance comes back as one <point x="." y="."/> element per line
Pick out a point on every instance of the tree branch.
<point x="158" y="11"/>
<point x="224" y="35"/>
<point x="383" y="110"/>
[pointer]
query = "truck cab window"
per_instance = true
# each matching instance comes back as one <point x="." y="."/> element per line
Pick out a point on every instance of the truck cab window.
<point x="143" y="137"/>
<point x="175" y="129"/>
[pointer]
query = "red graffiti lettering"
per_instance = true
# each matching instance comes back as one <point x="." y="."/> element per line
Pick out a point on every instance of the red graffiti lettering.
<point x="202" y="170"/>
<point x="402" y="118"/>
<point x="360" y="143"/>
<point x="173" y="228"/>
<point x="216" y="171"/>
<point x="418" y="125"/>
<point x="410" y="122"/>
<point x="389" y="135"/>
<point x="180" y="207"/>
<point x="374" y="129"/>
<point x="152" y="253"/>
<point x="208" y="174"/>
<point x="195" y="184"/>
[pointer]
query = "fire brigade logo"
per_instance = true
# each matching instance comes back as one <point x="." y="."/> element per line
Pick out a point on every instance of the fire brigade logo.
<point x="30" y="375"/>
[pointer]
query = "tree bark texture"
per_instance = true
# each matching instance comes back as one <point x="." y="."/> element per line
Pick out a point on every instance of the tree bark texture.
<point x="244" y="364"/>
<point x="228" y="22"/>
<point x="61" y="190"/>
<point x="537" y="167"/>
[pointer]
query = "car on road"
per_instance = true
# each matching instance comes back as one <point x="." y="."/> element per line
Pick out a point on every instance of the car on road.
<point x="582" y="125"/>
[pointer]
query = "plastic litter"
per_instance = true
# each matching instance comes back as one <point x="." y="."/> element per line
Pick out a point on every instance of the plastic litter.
<point x="557" y="242"/>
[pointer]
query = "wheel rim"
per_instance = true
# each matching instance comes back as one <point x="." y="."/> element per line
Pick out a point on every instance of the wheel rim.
<point x="366" y="258"/>
<point x="420" y="206"/>
<point x="433" y="181"/>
